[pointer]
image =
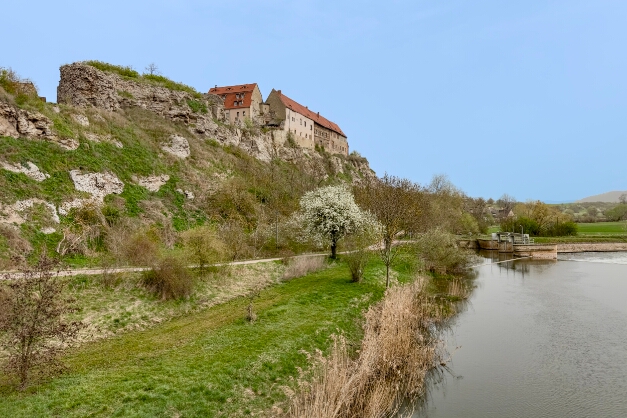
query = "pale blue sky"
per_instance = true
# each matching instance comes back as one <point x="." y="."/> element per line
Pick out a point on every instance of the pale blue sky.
<point x="528" y="99"/>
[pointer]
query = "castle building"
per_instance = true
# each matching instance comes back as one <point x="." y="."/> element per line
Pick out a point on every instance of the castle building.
<point x="306" y="127"/>
<point x="241" y="102"/>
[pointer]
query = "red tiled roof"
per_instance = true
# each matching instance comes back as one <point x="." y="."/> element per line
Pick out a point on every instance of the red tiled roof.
<point x="229" y="93"/>
<point x="320" y="120"/>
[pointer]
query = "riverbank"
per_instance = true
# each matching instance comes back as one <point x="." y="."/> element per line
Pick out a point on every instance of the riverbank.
<point x="210" y="362"/>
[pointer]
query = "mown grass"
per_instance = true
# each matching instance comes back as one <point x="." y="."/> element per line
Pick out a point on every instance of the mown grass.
<point x="603" y="228"/>
<point x="211" y="363"/>
<point x="587" y="232"/>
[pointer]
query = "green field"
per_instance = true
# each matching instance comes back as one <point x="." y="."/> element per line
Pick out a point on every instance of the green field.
<point x="210" y="363"/>
<point x="603" y="228"/>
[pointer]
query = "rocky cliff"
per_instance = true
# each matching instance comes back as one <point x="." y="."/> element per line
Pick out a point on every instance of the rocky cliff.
<point x="82" y="85"/>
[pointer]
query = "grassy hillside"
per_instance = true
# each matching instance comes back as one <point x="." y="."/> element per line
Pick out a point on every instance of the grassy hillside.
<point x="210" y="363"/>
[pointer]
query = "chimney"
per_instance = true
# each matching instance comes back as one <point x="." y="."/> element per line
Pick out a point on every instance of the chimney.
<point x="216" y="86"/>
<point x="318" y="114"/>
<point x="279" y="91"/>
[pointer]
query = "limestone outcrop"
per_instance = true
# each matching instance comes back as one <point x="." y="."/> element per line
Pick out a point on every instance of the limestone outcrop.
<point x="20" y="123"/>
<point x="30" y="169"/>
<point x="152" y="183"/>
<point x="177" y="146"/>
<point x="12" y="214"/>
<point x="97" y="184"/>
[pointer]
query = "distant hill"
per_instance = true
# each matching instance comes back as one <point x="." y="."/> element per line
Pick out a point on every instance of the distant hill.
<point x="611" y="197"/>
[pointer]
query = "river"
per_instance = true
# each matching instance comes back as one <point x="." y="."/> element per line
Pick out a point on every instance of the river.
<point x="539" y="339"/>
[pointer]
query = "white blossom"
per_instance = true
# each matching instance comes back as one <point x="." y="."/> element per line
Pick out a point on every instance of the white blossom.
<point x="331" y="213"/>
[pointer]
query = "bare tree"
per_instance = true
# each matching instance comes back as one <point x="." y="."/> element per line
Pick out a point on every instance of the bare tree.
<point x="32" y="328"/>
<point x="395" y="202"/>
<point x="152" y="69"/>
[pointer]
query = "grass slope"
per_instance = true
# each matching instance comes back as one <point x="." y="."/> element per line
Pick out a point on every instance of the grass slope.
<point x="211" y="363"/>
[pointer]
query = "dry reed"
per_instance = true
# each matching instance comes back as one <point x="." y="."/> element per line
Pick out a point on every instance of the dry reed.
<point x="300" y="266"/>
<point x="399" y="348"/>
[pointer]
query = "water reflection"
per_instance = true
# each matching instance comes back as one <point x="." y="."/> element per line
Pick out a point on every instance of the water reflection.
<point x="538" y="338"/>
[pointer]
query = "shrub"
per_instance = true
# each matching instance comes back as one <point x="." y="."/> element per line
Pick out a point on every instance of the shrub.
<point x="197" y="106"/>
<point x="562" y="229"/>
<point x="235" y="240"/>
<point x="357" y="261"/>
<point x="439" y="252"/>
<point x="141" y="249"/>
<point x="203" y="246"/>
<point x="300" y="266"/>
<point x="169" y="279"/>
<point x="32" y="326"/>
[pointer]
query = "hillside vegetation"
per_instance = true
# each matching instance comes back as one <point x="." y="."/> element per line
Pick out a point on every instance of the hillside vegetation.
<point x="246" y="199"/>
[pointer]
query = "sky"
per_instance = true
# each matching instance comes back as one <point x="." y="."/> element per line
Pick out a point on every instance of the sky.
<point x="524" y="98"/>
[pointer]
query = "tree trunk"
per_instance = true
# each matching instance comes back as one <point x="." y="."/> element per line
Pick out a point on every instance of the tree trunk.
<point x="333" y="249"/>
<point x="387" y="276"/>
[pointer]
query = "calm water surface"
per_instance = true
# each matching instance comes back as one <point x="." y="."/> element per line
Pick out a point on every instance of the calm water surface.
<point x="540" y="339"/>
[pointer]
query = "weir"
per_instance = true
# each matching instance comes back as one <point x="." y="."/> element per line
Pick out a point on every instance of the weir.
<point x="520" y="245"/>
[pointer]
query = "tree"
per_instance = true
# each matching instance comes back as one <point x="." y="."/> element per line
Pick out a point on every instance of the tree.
<point x="152" y="69"/>
<point x="32" y="327"/>
<point x="331" y="212"/>
<point x="203" y="246"/>
<point x="623" y="198"/>
<point x="617" y="213"/>
<point x="396" y="204"/>
<point x="357" y="245"/>
<point x="507" y="203"/>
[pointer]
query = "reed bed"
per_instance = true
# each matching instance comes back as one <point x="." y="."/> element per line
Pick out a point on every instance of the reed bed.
<point x="398" y="349"/>
<point x="303" y="265"/>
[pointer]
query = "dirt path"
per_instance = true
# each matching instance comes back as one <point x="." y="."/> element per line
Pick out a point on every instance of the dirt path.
<point x="97" y="271"/>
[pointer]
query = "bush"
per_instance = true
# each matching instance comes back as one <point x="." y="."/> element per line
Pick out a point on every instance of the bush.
<point x="203" y="246"/>
<point x="33" y="330"/>
<point x="300" y="266"/>
<point x="197" y="106"/>
<point x="357" y="261"/>
<point x="169" y="279"/>
<point x="140" y="249"/>
<point x="562" y="229"/>
<point x="439" y="252"/>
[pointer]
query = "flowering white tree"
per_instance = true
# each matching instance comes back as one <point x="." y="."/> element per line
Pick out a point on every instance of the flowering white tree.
<point x="331" y="213"/>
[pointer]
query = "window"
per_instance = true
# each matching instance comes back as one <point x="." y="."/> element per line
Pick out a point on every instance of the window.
<point x="234" y="103"/>
<point x="238" y="114"/>
<point x="244" y="113"/>
<point x="311" y="127"/>
<point x="305" y="123"/>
